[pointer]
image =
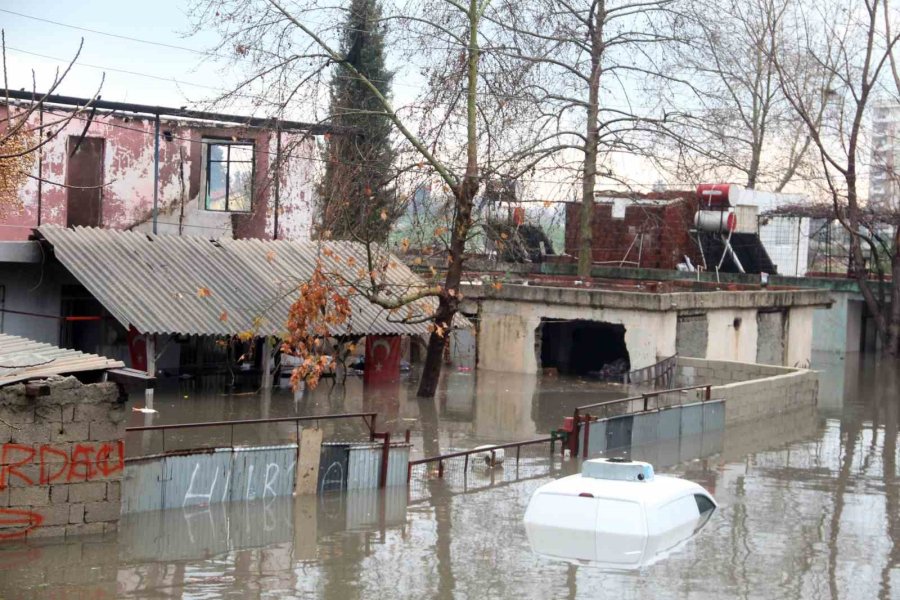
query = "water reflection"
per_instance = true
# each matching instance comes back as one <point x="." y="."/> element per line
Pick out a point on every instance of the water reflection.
<point x="809" y="508"/>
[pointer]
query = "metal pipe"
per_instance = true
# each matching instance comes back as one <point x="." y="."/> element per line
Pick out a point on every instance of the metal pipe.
<point x="362" y="415"/>
<point x="155" y="172"/>
<point x="277" y="177"/>
<point x="40" y="194"/>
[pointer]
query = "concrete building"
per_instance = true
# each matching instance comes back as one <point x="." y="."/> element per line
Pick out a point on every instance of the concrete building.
<point x="577" y="330"/>
<point x="213" y="175"/>
<point x="883" y="181"/>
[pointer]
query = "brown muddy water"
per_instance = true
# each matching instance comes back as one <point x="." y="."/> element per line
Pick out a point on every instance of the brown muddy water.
<point x="809" y="508"/>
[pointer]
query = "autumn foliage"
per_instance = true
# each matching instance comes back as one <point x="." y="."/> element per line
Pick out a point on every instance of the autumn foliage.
<point x="320" y="308"/>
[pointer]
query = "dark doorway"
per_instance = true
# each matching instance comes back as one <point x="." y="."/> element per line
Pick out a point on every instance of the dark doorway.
<point x="582" y="347"/>
<point x="84" y="172"/>
<point x="82" y="323"/>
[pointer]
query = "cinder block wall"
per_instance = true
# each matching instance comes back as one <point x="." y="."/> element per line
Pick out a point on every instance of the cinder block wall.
<point x="751" y="391"/>
<point x="61" y="458"/>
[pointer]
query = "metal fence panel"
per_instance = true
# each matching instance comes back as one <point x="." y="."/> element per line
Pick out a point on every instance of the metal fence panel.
<point x="618" y="432"/>
<point x="668" y="424"/>
<point x="142" y="487"/>
<point x="596" y="440"/>
<point x="364" y="466"/>
<point x="196" y="479"/>
<point x="333" y="466"/>
<point x="264" y="472"/>
<point x="691" y="419"/>
<point x="714" y="415"/>
<point x="398" y="460"/>
<point x="644" y="429"/>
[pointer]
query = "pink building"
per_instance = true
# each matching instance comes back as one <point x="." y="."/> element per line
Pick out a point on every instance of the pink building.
<point x="218" y="175"/>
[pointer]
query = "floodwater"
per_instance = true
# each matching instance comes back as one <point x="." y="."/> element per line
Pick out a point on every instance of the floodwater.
<point x="809" y="508"/>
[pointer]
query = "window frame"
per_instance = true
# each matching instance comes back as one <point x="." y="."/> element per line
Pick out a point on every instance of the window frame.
<point x="207" y="164"/>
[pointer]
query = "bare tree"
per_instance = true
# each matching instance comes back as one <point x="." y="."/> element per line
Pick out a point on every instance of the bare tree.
<point x="595" y="59"/>
<point x="853" y="49"/>
<point x="442" y="134"/>
<point x="734" y="119"/>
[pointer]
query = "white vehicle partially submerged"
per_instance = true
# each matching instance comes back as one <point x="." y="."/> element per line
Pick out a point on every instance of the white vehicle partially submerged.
<point x="616" y="514"/>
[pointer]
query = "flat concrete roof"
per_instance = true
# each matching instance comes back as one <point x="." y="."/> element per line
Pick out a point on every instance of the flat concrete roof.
<point x="646" y="299"/>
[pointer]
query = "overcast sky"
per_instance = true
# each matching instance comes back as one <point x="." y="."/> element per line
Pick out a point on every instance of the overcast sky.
<point x="160" y="21"/>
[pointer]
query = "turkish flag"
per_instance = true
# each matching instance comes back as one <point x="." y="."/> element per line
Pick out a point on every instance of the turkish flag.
<point x="382" y="359"/>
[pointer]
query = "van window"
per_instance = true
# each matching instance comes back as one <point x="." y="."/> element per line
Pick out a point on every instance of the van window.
<point x="703" y="503"/>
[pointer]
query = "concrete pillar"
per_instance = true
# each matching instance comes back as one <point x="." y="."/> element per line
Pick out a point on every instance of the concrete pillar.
<point x="266" y="363"/>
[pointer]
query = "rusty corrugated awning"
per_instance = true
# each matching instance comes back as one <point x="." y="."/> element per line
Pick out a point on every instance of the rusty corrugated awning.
<point x="22" y="359"/>
<point x="170" y="284"/>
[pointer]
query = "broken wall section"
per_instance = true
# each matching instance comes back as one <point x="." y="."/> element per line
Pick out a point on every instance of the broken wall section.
<point x="61" y="458"/>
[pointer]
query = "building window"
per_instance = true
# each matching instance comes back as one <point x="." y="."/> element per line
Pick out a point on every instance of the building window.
<point x="229" y="176"/>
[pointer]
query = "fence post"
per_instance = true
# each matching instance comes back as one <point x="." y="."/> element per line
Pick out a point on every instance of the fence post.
<point x="385" y="454"/>
<point x="587" y="436"/>
<point x="440" y="469"/>
<point x="573" y="435"/>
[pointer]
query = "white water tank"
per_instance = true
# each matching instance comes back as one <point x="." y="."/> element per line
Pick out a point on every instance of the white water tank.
<point x="715" y="221"/>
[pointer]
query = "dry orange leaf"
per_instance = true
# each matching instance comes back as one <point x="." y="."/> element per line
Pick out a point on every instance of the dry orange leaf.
<point x="224" y="316"/>
<point x="203" y="292"/>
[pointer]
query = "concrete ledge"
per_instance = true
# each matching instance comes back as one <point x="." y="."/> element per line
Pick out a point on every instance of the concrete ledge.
<point x="649" y="301"/>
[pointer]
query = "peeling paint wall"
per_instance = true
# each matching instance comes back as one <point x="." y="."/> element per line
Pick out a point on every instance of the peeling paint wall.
<point x="128" y="169"/>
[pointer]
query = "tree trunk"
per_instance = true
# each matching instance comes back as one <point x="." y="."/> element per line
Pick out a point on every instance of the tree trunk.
<point x="464" y="194"/>
<point x="592" y="136"/>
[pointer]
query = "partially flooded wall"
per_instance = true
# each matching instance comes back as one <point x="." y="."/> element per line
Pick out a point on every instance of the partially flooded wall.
<point x="61" y="458"/>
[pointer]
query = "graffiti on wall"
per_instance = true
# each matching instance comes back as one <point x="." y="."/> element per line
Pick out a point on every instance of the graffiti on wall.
<point x="208" y="478"/>
<point x="55" y="464"/>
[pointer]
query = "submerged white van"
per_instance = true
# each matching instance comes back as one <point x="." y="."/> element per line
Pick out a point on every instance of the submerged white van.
<point x="616" y="513"/>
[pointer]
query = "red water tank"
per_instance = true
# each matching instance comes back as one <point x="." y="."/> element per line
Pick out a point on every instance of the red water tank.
<point x="714" y="195"/>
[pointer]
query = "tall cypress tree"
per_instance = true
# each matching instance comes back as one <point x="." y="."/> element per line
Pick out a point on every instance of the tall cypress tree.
<point x="356" y="200"/>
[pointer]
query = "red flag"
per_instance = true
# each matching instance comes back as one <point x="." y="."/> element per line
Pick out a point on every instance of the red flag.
<point x="382" y="359"/>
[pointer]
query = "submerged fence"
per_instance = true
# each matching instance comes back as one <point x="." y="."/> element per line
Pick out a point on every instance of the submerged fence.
<point x="484" y="467"/>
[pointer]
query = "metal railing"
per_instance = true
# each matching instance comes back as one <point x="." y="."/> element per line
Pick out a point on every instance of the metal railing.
<point x="638" y="404"/>
<point x="368" y="418"/>
<point x="440" y="459"/>
<point x="662" y="372"/>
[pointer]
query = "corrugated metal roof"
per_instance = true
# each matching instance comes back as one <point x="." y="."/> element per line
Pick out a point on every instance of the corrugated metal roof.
<point x="152" y="282"/>
<point x="22" y="359"/>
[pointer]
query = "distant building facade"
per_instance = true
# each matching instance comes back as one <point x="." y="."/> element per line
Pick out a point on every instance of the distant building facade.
<point x="224" y="176"/>
<point x="884" y="183"/>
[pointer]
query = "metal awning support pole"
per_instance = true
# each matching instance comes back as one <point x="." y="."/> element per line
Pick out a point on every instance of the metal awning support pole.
<point x="266" y="363"/>
<point x="155" y="172"/>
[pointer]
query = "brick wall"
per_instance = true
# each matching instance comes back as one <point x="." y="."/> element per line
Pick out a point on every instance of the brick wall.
<point x="665" y="227"/>
<point x="61" y="458"/>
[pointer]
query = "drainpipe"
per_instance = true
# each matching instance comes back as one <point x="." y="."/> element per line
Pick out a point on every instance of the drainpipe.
<point x="277" y="176"/>
<point x="40" y="190"/>
<point x="156" y="173"/>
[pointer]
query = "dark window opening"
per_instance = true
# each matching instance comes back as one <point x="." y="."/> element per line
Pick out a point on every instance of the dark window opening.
<point x="582" y="347"/>
<point x="229" y="176"/>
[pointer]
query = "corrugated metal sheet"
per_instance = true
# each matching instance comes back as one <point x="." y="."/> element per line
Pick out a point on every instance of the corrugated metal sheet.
<point x="152" y="281"/>
<point x="364" y="465"/>
<point x="22" y="359"/>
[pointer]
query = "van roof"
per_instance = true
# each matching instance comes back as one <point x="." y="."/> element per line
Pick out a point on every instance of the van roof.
<point x="658" y="491"/>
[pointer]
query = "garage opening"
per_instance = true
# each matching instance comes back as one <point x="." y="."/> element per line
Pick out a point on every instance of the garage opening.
<point x="581" y="347"/>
